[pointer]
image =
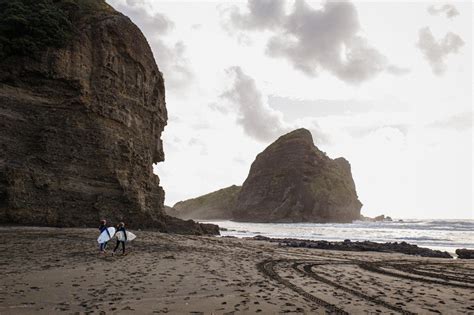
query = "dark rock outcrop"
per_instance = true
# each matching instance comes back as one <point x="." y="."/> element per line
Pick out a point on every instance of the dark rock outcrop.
<point x="293" y="181"/>
<point x="464" y="253"/>
<point x="80" y="130"/>
<point x="217" y="205"/>
<point x="379" y="218"/>
<point x="365" y="246"/>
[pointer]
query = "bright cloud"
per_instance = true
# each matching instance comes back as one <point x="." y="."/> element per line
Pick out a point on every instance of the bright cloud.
<point x="449" y="10"/>
<point x="254" y="115"/>
<point x="313" y="40"/>
<point x="436" y="51"/>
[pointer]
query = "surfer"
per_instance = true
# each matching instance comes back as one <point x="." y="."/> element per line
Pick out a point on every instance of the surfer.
<point x="102" y="228"/>
<point x="121" y="228"/>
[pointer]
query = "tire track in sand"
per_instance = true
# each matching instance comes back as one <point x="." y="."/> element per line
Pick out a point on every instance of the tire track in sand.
<point x="267" y="268"/>
<point x="308" y="271"/>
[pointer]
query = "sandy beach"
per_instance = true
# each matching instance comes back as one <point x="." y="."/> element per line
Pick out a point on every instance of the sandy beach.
<point x="48" y="270"/>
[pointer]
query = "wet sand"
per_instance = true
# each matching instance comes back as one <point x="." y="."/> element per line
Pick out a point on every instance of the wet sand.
<point x="48" y="271"/>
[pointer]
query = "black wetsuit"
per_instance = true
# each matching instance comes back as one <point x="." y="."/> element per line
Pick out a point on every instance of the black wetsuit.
<point x="122" y="229"/>
<point x="103" y="227"/>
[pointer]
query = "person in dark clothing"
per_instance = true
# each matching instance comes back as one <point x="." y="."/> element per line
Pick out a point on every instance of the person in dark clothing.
<point x="102" y="228"/>
<point x="121" y="228"/>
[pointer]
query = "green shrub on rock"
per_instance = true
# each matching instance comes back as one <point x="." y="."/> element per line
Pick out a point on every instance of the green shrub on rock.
<point x="30" y="26"/>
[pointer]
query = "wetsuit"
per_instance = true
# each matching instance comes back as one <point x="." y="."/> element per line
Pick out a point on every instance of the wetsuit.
<point x="121" y="229"/>
<point x="103" y="227"/>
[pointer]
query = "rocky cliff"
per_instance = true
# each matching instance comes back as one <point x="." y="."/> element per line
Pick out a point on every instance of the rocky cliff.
<point x="293" y="181"/>
<point x="80" y="129"/>
<point x="217" y="205"/>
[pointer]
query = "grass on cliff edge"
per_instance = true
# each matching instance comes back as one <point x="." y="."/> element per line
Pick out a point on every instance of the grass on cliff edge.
<point x="28" y="27"/>
<point x="221" y="198"/>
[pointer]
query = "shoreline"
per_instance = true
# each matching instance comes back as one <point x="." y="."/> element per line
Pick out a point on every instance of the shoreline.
<point x="440" y="235"/>
<point x="358" y="246"/>
<point x="59" y="270"/>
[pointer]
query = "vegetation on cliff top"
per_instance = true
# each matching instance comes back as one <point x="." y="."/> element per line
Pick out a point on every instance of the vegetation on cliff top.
<point x="215" y="205"/>
<point x="217" y="197"/>
<point x="28" y="27"/>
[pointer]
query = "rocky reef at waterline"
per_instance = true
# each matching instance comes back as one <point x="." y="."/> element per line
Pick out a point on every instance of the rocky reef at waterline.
<point x="464" y="253"/>
<point x="364" y="246"/>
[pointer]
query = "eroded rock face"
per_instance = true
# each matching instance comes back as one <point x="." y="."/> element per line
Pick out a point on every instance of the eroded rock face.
<point x="217" y="205"/>
<point x="293" y="181"/>
<point x="80" y="130"/>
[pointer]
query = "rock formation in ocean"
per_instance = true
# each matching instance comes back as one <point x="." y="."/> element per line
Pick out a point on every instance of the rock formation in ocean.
<point x="217" y="205"/>
<point x="379" y="218"/>
<point x="464" y="253"/>
<point x="293" y="181"/>
<point x="80" y="126"/>
<point x="365" y="246"/>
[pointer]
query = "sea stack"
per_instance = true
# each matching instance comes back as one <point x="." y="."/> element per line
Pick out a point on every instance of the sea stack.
<point x="81" y="129"/>
<point x="293" y="181"/>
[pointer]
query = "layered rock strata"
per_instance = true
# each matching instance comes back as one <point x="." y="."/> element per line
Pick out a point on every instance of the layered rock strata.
<point x="80" y="130"/>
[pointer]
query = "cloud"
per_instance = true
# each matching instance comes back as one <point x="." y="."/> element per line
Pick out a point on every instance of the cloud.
<point x="170" y="57"/>
<point x="313" y="40"/>
<point x="200" y="144"/>
<point x="201" y="125"/>
<point x="218" y="107"/>
<point x="436" y="51"/>
<point x="240" y="160"/>
<point x="254" y="115"/>
<point x="257" y="118"/>
<point x="138" y="12"/>
<point x="263" y="14"/>
<point x="363" y="131"/>
<point x="449" y="10"/>
<point x="300" y="108"/>
<point x="173" y="63"/>
<point x="396" y="70"/>
<point x="461" y="121"/>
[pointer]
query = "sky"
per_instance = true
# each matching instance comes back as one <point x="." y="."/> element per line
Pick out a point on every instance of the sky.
<point x="385" y="84"/>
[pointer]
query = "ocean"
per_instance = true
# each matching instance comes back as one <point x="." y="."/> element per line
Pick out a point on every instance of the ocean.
<point x="446" y="235"/>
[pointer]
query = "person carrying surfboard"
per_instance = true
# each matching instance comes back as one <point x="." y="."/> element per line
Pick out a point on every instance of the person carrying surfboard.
<point x="102" y="228"/>
<point x="121" y="228"/>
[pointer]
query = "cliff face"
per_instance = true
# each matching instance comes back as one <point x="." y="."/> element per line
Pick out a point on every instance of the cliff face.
<point x="293" y="181"/>
<point x="80" y="130"/>
<point x="217" y="205"/>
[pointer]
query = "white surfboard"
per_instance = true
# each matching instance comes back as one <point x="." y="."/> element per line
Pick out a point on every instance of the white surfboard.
<point x="104" y="236"/>
<point x="130" y="236"/>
